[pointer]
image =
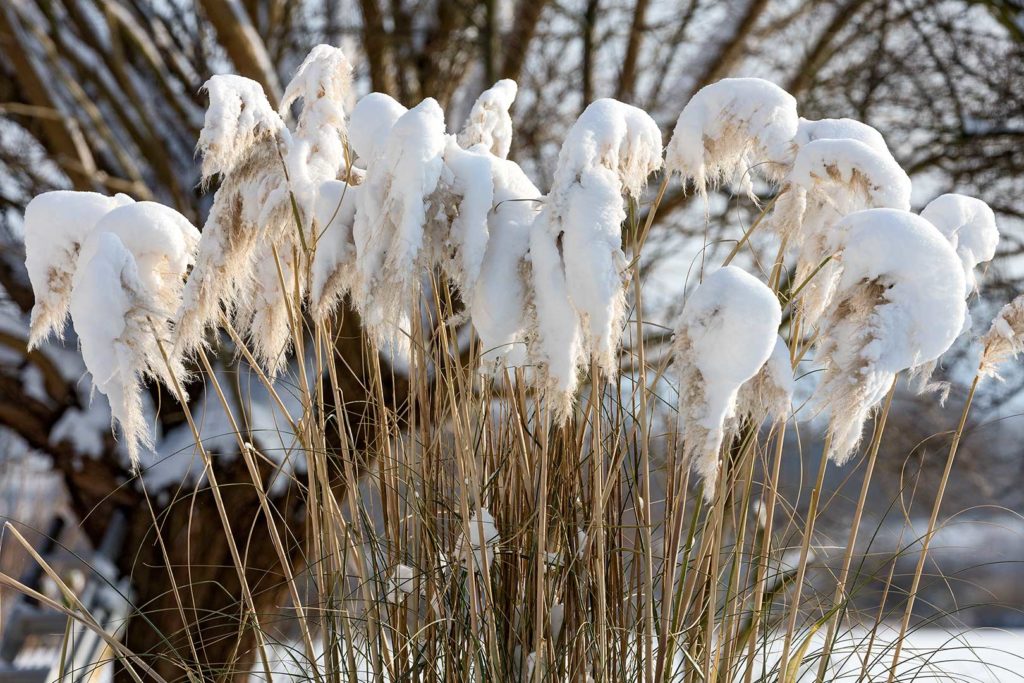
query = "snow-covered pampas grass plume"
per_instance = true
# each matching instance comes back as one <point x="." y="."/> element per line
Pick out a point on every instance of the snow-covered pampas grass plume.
<point x="317" y="153"/>
<point x="489" y="123"/>
<point x="239" y="141"/>
<point x="239" y="118"/>
<point x="56" y="225"/>
<point x="725" y="334"/>
<point x="500" y="300"/>
<point x="127" y="283"/>
<point x="730" y="128"/>
<point x="609" y="152"/>
<point x="769" y="392"/>
<point x="334" y="265"/>
<point x="970" y="226"/>
<point x="831" y="178"/>
<point x="899" y="303"/>
<point x="394" y="204"/>
<point x="1004" y="339"/>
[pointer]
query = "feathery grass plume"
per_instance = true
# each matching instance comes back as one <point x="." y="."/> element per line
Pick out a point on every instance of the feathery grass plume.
<point x="727" y="331"/>
<point x="501" y="303"/>
<point x="769" y="392"/>
<point x="317" y="151"/>
<point x="460" y="232"/>
<point x="1004" y="339"/>
<point x="970" y="226"/>
<point x="371" y="121"/>
<point x="333" y="269"/>
<point x="730" y="128"/>
<point x="395" y="203"/>
<point x="829" y="179"/>
<point x="899" y="303"/>
<point x="315" y="154"/>
<point x="609" y="152"/>
<point x="125" y="290"/>
<point x="56" y="225"/>
<point x="239" y="141"/>
<point x="489" y="123"/>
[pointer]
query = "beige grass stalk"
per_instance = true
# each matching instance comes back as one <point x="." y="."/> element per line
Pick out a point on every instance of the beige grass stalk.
<point x="812" y="514"/>
<point x="840" y="594"/>
<point x="930" y="533"/>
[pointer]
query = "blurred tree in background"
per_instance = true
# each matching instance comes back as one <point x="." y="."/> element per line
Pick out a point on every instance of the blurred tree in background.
<point x="104" y="95"/>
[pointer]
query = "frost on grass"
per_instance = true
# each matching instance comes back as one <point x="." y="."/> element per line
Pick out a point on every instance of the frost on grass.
<point x="125" y="289"/>
<point x="239" y="142"/>
<point x="831" y="178"/>
<point x="899" y="304"/>
<point x="1004" y="339"/>
<point x="56" y="224"/>
<point x="726" y="333"/>
<point x="731" y="128"/>
<point x="970" y="226"/>
<point x="489" y="123"/>
<point x="333" y="269"/>
<point x="396" y="202"/>
<point x="609" y="152"/>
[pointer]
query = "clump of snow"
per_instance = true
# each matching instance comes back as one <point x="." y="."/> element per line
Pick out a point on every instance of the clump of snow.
<point x="970" y="226"/>
<point x="489" y="123"/>
<point x="56" y="224"/>
<point x="839" y="129"/>
<point x="731" y="128"/>
<point x="1004" y="339"/>
<point x="370" y="123"/>
<point x="899" y="303"/>
<point x="831" y="178"/>
<point x="579" y="266"/>
<point x="333" y="269"/>
<point x="727" y="331"/>
<point x="394" y="205"/>
<point x="121" y="314"/>
<point x="483" y="538"/>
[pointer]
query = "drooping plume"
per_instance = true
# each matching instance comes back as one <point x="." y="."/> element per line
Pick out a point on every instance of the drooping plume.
<point x="489" y="123"/>
<point x="500" y="299"/>
<point x="829" y="179"/>
<point x="239" y="141"/>
<point x="731" y="129"/>
<point x="396" y="201"/>
<point x="608" y="155"/>
<point x="125" y="290"/>
<point x="334" y="264"/>
<point x="1004" y="339"/>
<point x="725" y="335"/>
<point x="970" y="226"/>
<point x="898" y="304"/>
<point x="315" y="154"/>
<point x="56" y="225"/>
